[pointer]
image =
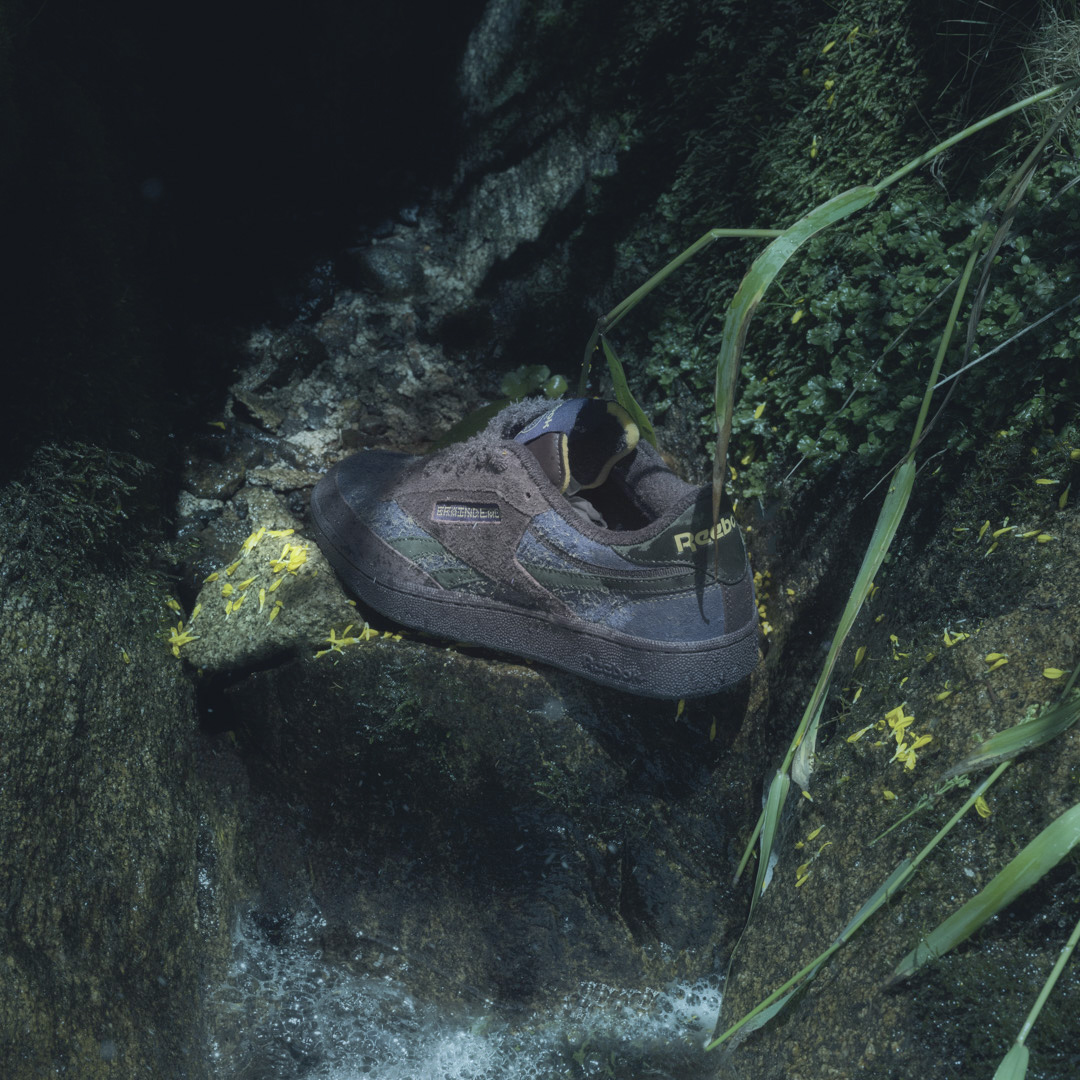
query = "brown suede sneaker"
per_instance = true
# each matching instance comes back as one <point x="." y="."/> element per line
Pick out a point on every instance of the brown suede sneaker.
<point x="554" y="535"/>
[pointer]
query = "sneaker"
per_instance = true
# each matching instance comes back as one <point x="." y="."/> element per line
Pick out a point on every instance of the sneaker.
<point x="555" y="535"/>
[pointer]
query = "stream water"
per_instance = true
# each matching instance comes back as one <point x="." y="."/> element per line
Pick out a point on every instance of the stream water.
<point x="286" y="1013"/>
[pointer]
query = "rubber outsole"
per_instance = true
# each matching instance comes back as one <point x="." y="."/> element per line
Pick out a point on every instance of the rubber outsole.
<point x="646" y="667"/>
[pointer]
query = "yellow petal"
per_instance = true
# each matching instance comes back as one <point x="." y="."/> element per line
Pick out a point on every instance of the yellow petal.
<point x="1052" y="673"/>
<point x="992" y="657"/>
<point x="1045" y="481"/>
<point x="982" y="807"/>
<point x="860" y="652"/>
<point x="887" y="794"/>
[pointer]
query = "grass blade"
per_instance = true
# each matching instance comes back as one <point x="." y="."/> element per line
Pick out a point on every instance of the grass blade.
<point x="623" y="395"/>
<point x="624" y="307"/>
<point x="892" y="513"/>
<point x="1037" y="859"/>
<point x="758" y="278"/>
<point x="774" y="805"/>
<point x="1014" y="1064"/>
<point x="1013" y="741"/>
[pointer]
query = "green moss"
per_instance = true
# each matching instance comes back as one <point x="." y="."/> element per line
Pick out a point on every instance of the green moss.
<point x="69" y="511"/>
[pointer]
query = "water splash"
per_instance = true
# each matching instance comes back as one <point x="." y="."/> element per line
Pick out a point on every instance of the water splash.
<point x="286" y="1013"/>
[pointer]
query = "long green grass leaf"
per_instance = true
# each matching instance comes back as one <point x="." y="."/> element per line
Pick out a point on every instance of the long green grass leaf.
<point x="1036" y="860"/>
<point x="623" y="395"/>
<point x="774" y="805"/>
<point x="1014" y="1064"/>
<point x="1013" y="741"/>
<point x="758" y="278"/>
<point x="889" y="518"/>
<point x="625" y="306"/>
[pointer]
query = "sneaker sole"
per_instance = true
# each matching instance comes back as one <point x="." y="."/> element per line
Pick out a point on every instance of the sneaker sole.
<point x="638" y="665"/>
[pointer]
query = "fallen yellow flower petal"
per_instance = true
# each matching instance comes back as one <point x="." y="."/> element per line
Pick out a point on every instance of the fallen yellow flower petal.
<point x="982" y="807"/>
<point x="1052" y="673"/>
<point x="887" y="794"/>
<point x="253" y="539"/>
<point x="860" y="652"/>
<point x="856" y="736"/>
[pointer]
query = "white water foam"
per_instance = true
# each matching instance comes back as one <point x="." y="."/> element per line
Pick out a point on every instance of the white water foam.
<point x="286" y="1014"/>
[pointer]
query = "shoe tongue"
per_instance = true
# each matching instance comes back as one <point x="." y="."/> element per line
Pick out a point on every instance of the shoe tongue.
<point x="578" y="441"/>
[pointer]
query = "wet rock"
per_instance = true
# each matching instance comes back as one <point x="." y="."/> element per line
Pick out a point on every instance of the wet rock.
<point x="501" y="827"/>
<point x="390" y="267"/>
<point x="311" y="293"/>
<point x="286" y="356"/>
<point x="274" y="594"/>
<point x="104" y="954"/>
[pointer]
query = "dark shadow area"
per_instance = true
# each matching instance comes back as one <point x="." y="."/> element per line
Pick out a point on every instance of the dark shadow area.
<point x="171" y="178"/>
